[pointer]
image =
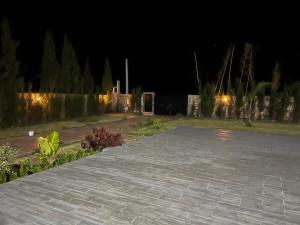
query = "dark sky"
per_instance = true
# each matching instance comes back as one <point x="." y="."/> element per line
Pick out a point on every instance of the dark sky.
<point x="159" y="41"/>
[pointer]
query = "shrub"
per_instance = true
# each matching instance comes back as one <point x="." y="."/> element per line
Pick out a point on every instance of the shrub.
<point x="61" y="159"/>
<point x="72" y="157"/>
<point x="80" y="154"/>
<point x="7" y="156"/>
<point x="25" y="167"/>
<point x="101" y="139"/>
<point x="2" y="178"/>
<point x="36" y="168"/>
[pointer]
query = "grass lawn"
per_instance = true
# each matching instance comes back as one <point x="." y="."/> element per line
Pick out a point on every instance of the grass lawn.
<point x="259" y="126"/>
<point x="60" y="125"/>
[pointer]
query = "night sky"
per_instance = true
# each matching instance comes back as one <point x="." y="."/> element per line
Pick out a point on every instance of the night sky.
<point x="159" y="41"/>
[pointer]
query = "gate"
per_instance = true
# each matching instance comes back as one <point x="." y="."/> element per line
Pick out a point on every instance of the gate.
<point x="170" y="105"/>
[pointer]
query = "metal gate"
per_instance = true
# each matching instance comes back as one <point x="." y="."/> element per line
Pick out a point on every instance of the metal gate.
<point x="170" y="105"/>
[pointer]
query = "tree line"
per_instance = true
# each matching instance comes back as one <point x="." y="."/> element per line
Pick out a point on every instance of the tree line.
<point x="59" y="73"/>
<point x="247" y="92"/>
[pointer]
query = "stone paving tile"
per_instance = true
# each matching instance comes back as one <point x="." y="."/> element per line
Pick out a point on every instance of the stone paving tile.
<point x="183" y="176"/>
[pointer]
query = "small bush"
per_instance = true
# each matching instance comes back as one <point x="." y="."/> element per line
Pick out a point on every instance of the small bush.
<point x="36" y="168"/>
<point x="80" y="154"/>
<point x="2" y="178"/>
<point x="7" y="156"/>
<point x="72" y="157"/>
<point x="26" y="166"/>
<point x="61" y="159"/>
<point x="101" y="139"/>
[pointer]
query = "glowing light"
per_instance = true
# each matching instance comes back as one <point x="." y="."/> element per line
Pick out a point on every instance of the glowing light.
<point x="104" y="98"/>
<point x="39" y="99"/>
<point x="225" y="99"/>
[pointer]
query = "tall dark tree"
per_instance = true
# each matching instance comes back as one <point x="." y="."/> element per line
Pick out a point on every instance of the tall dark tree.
<point x="107" y="83"/>
<point x="76" y="77"/>
<point x="65" y="78"/>
<point x="70" y="69"/>
<point x="9" y="70"/>
<point x="50" y="66"/>
<point x="88" y="81"/>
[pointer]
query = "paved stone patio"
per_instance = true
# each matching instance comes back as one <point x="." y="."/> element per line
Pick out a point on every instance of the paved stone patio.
<point x="183" y="176"/>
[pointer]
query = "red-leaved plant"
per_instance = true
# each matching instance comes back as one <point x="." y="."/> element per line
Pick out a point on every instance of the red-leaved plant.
<point x="101" y="139"/>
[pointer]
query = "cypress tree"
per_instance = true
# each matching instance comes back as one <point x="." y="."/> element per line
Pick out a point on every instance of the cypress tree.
<point x="75" y="71"/>
<point x="9" y="70"/>
<point x="107" y="84"/>
<point x="65" y="79"/>
<point x="50" y="67"/>
<point x="70" y="69"/>
<point x="88" y="81"/>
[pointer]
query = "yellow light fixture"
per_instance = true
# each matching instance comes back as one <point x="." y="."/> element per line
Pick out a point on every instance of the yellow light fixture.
<point x="39" y="99"/>
<point x="225" y="99"/>
<point x="104" y="98"/>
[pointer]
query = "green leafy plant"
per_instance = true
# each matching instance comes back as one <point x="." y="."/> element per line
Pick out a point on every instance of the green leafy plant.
<point x="49" y="145"/>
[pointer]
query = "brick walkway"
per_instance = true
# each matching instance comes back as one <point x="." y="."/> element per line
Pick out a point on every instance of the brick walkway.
<point x="182" y="176"/>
